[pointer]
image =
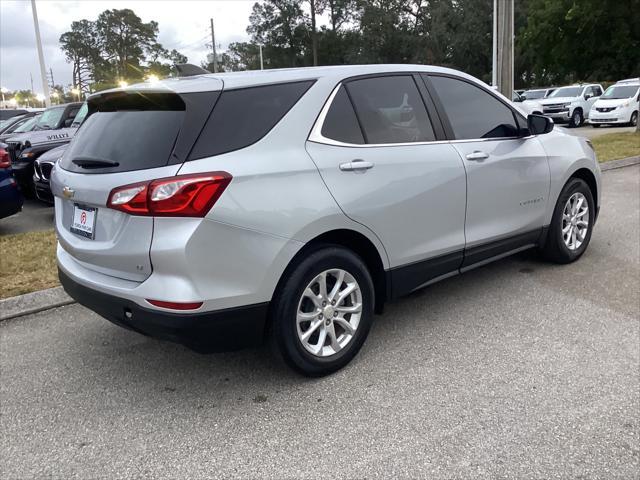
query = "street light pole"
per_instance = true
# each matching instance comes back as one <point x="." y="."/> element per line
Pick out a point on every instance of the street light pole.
<point x="43" y="75"/>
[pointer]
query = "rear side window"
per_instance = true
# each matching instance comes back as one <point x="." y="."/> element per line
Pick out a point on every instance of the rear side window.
<point x="341" y="123"/>
<point x="473" y="113"/>
<point x="242" y="117"/>
<point x="391" y="110"/>
<point x="136" y="131"/>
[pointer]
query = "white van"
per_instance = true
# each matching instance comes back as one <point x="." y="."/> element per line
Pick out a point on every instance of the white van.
<point x="618" y="105"/>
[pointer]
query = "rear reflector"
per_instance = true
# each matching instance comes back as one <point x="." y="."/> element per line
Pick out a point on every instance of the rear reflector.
<point x="180" y="196"/>
<point x="176" y="305"/>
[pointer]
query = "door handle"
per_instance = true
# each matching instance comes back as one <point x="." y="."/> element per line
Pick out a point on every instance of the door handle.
<point x="477" y="156"/>
<point x="356" y="166"/>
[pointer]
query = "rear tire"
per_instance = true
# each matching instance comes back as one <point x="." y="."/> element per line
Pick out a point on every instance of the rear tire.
<point x="335" y="319"/>
<point x="568" y="236"/>
<point x="576" y="118"/>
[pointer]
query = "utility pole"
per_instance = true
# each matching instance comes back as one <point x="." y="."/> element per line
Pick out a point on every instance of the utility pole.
<point x="502" y="74"/>
<point x="43" y="76"/>
<point x="31" y="78"/>
<point x="314" y="35"/>
<point x="53" y="84"/>
<point x="213" y="47"/>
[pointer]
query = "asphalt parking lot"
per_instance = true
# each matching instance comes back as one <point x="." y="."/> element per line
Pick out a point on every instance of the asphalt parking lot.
<point x="35" y="215"/>
<point x="520" y="369"/>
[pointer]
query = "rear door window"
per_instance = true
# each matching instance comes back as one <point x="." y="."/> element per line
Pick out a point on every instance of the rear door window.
<point x="473" y="112"/>
<point x="390" y="110"/>
<point x="242" y="117"/>
<point x="341" y="123"/>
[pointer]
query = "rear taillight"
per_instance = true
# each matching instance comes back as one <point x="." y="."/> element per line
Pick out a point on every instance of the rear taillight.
<point x="181" y="196"/>
<point x="5" y="160"/>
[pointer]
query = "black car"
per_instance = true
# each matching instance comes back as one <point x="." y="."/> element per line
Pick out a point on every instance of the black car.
<point x="6" y="113"/>
<point x="56" y="126"/>
<point x="42" y="172"/>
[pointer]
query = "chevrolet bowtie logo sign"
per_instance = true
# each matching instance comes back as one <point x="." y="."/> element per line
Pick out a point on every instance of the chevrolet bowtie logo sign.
<point x="68" y="193"/>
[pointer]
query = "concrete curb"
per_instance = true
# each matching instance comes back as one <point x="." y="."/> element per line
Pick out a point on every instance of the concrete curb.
<point x="33" y="303"/>
<point x="56" y="297"/>
<point x="623" y="162"/>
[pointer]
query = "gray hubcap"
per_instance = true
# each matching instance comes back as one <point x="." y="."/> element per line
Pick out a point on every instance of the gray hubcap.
<point x="575" y="221"/>
<point x="329" y="312"/>
<point x="576" y="118"/>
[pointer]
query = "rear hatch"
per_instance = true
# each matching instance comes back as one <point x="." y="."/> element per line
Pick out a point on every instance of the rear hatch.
<point x="129" y="136"/>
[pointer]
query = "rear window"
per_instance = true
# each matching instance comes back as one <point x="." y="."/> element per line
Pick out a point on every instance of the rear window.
<point x="136" y="131"/>
<point x="242" y="117"/>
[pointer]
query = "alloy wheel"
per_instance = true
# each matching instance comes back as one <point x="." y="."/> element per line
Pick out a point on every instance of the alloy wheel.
<point x="575" y="221"/>
<point x="329" y="312"/>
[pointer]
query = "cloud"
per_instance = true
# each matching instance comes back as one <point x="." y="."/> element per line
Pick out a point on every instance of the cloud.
<point x="182" y="25"/>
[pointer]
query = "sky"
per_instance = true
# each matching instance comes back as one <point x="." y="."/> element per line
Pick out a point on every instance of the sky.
<point x="182" y="24"/>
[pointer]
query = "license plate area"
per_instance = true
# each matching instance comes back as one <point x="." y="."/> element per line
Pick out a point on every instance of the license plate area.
<point x="83" y="222"/>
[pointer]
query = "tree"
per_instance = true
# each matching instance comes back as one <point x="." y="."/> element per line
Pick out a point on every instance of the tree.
<point x="124" y="40"/>
<point x="280" y="25"/>
<point x="567" y="41"/>
<point x="82" y="50"/>
<point x="117" y="46"/>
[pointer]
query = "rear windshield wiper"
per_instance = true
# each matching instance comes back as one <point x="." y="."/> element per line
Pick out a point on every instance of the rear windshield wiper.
<point x="92" y="162"/>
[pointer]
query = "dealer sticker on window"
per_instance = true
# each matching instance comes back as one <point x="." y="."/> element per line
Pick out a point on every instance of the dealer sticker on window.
<point x="84" y="221"/>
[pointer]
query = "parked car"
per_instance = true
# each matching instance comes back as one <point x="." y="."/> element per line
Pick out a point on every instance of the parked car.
<point x="9" y="125"/>
<point x="529" y="106"/>
<point x="47" y="134"/>
<point x="294" y="203"/>
<point x="620" y="104"/>
<point x="538" y="93"/>
<point x="10" y="196"/>
<point x="42" y="168"/>
<point x="571" y="104"/>
<point x="6" y="113"/>
<point x="23" y="125"/>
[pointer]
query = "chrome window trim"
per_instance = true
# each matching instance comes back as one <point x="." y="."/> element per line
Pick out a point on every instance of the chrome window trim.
<point x="316" y="135"/>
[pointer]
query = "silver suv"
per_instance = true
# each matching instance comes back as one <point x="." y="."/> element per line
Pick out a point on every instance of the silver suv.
<point x="221" y="210"/>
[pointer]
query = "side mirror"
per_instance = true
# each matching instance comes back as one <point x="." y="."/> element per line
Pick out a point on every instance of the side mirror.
<point x="587" y="96"/>
<point x="68" y="122"/>
<point x="539" y="124"/>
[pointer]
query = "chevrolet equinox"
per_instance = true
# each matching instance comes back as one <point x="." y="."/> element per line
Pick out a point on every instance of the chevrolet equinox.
<point x="222" y="210"/>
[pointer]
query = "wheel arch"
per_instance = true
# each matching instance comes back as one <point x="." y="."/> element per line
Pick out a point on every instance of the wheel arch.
<point x="590" y="179"/>
<point x="357" y="243"/>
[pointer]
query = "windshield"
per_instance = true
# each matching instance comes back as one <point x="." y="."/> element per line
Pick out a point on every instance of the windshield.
<point x="50" y="118"/>
<point x="534" y="94"/>
<point x="77" y="121"/>
<point x="28" y="125"/>
<point x="566" y="92"/>
<point x="618" y="92"/>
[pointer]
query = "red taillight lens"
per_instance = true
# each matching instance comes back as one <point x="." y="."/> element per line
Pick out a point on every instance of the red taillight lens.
<point x="175" y="305"/>
<point x="181" y="196"/>
<point x="5" y="161"/>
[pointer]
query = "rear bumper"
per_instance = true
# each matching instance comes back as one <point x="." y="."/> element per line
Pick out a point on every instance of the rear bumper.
<point x="220" y="330"/>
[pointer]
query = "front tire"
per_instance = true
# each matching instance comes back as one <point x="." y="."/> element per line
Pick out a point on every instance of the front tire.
<point x="572" y="223"/>
<point x="576" y="118"/>
<point x="322" y="311"/>
<point x="634" y="119"/>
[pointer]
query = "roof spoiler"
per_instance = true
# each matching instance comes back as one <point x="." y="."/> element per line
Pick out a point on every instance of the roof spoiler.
<point x="189" y="70"/>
